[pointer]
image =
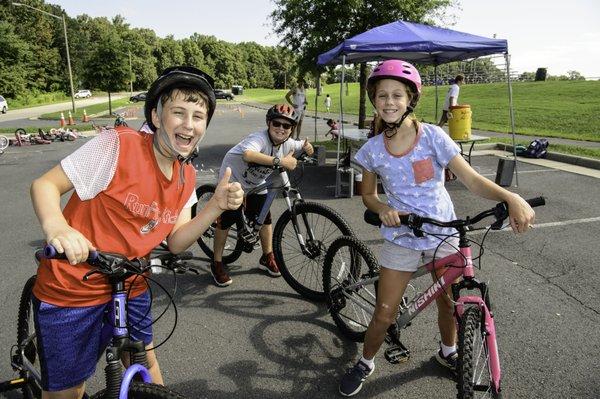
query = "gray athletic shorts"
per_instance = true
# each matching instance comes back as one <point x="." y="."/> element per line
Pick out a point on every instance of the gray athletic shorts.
<point x="403" y="259"/>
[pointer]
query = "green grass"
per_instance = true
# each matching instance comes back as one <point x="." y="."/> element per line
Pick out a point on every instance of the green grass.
<point x="566" y="109"/>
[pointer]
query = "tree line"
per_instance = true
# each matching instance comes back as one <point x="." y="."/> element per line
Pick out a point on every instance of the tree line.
<point x="33" y="54"/>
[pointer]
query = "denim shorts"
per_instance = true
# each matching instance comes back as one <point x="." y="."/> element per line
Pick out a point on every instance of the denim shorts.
<point x="395" y="257"/>
<point x="71" y="340"/>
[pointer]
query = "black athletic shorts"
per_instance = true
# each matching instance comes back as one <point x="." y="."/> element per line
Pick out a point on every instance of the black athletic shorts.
<point x="252" y="206"/>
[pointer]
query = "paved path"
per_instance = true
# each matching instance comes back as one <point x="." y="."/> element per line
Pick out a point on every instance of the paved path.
<point x="259" y="339"/>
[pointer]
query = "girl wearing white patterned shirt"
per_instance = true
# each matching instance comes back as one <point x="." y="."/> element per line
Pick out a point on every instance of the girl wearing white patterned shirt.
<point x="409" y="157"/>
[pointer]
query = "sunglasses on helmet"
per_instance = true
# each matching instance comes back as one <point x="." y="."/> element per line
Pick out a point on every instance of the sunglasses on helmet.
<point x="286" y="126"/>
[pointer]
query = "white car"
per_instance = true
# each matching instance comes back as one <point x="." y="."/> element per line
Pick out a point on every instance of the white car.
<point x="3" y="105"/>
<point x="83" y="94"/>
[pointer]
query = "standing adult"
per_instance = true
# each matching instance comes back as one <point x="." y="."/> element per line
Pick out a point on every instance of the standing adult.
<point x="451" y="98"/>
<point x="296" y="97"/>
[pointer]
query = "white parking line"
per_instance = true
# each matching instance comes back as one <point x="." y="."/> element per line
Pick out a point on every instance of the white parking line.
<point x="545" y="225"/>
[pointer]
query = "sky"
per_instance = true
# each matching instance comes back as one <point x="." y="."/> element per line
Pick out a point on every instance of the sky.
<point x="558" y="35"/>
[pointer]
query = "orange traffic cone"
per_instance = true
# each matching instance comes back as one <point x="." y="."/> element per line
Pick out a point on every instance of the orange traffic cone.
<point x="70" y="122"/>
<point x="62" y="119"/>
<point x="85" y="117"/>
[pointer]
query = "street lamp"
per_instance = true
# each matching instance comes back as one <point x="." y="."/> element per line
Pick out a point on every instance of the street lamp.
<point x="66" y="44"/>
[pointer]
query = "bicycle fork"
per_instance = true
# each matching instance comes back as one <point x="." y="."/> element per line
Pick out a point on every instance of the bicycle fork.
<point x="117" y="384"/>
<point x="488" y="328"/>
<point x="310" y="251"/>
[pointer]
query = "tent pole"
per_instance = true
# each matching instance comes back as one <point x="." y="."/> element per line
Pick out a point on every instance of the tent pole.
<point x="317" y="104"/>
<point x="512" y="116"/>
<point x="435" y="80"/>
<point x="337" y="157"/>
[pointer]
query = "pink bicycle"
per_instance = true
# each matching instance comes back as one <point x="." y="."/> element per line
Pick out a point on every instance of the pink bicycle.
<point x="351" y="274"/>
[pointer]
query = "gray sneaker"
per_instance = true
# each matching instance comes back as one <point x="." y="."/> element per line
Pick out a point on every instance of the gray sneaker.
<point x="353" y="380"/>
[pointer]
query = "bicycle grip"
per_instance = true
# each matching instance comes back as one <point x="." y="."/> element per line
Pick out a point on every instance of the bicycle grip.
<point x="537" y="201"/>
<point x="51" y="253"/>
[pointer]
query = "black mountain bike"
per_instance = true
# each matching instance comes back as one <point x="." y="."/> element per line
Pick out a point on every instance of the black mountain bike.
<point x="301" y="235"/>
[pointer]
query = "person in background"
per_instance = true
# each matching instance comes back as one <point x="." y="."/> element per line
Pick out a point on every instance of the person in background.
<point x="296" y="97"/>
<point x="451" y="99"/>
<point x="327" y="103"/>
<point x="333" y="129"/>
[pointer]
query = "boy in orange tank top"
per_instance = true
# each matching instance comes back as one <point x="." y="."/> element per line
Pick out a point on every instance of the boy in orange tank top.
<point x="132" y="190"/>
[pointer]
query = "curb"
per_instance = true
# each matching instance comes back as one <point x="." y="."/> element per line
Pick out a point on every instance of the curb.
<point x="556" y="156"/>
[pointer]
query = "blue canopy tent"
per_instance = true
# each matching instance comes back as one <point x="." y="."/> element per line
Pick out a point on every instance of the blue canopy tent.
<point x="422" y="44"/>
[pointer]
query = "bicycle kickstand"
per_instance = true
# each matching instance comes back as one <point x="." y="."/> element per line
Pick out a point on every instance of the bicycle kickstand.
<point x="396" y="352"/>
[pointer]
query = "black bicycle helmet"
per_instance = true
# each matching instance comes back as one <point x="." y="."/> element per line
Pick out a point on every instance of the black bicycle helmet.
<point x="282" y="111"/>
<point x="180" y="77"/>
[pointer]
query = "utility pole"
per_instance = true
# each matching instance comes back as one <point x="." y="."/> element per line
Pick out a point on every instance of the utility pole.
<point x="130" y="74"/>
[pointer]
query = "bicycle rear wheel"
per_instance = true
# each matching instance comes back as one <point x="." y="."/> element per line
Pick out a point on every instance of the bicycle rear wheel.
<point x="233" y="245"/>
<point x="474" y="373"/>
<point x="26" y="339"/>
<point x="138" y="390"/>
<point x="348" y="261"/>
<point x="304" y="271"/>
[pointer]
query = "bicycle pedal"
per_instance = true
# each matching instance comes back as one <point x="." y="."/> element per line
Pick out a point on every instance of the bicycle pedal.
<point x="397" y="354"/>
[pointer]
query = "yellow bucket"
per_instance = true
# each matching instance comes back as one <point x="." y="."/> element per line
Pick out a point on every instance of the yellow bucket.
<point x="460" y="123"/>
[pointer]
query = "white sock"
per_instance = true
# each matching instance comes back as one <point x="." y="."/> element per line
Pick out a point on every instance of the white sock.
<point x="368" y="362"/>
<point x="447" y="350"/>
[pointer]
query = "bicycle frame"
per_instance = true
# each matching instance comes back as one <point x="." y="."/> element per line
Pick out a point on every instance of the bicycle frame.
<point x="291" y="196"/>
<point x="459" y="264"/>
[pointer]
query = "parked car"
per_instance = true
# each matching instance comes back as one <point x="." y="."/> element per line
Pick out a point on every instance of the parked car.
<point x="3" y="105"/>
<point x="138" y="97"/>
<point x="224" y="95"/>
<point x="83" y="94"/>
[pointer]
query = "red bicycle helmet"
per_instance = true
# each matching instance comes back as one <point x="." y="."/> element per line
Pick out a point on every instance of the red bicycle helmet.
<point x="284" y="111"/>
<point x="398" y="70"/>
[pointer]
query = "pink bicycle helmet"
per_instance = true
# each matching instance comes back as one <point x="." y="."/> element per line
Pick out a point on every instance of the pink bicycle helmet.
<point x="399" y="70"/>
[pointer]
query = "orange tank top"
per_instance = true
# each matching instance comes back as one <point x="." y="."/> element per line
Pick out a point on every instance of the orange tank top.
<point x="131" y="216"/>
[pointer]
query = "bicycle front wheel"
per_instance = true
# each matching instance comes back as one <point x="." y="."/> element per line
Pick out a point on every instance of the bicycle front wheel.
<point x="3" y="143"/>
<point x="318" y="225"/>
<point x="233" y="245"/>
<point x="26" y="342"/>
<point x="474" y="373"/>
<point x="139" y="390"/>
<point x="351" y="302"/>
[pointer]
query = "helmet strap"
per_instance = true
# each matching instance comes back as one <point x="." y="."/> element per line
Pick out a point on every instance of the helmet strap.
<point x="392" y="128"/>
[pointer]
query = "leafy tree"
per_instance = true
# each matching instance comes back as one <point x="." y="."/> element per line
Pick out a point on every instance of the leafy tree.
<point x="168" y="53"/>
<point x="16" y="55"/>
<point x="574" y="75"/>
<point x="312" y="27"/>
<point x="108" y="67"/>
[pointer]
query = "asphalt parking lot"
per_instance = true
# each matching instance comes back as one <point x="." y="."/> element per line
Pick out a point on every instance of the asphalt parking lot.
<point x="259" y="339"/>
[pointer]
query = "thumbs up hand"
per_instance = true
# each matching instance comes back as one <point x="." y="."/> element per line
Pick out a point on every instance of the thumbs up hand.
<point x="228" y="196"/>
<point x="289" y="161"/>
<point x="307" y="147"/>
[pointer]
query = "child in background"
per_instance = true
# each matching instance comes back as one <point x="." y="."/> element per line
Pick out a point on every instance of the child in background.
<point x="333" y="129"/>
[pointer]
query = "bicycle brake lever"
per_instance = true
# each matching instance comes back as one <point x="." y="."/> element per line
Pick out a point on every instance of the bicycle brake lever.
<point x="91" y="272"/>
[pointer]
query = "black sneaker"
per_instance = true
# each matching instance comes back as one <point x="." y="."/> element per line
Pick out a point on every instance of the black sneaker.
<point x="353" y="380"/>
<point x="447" y="361"/>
